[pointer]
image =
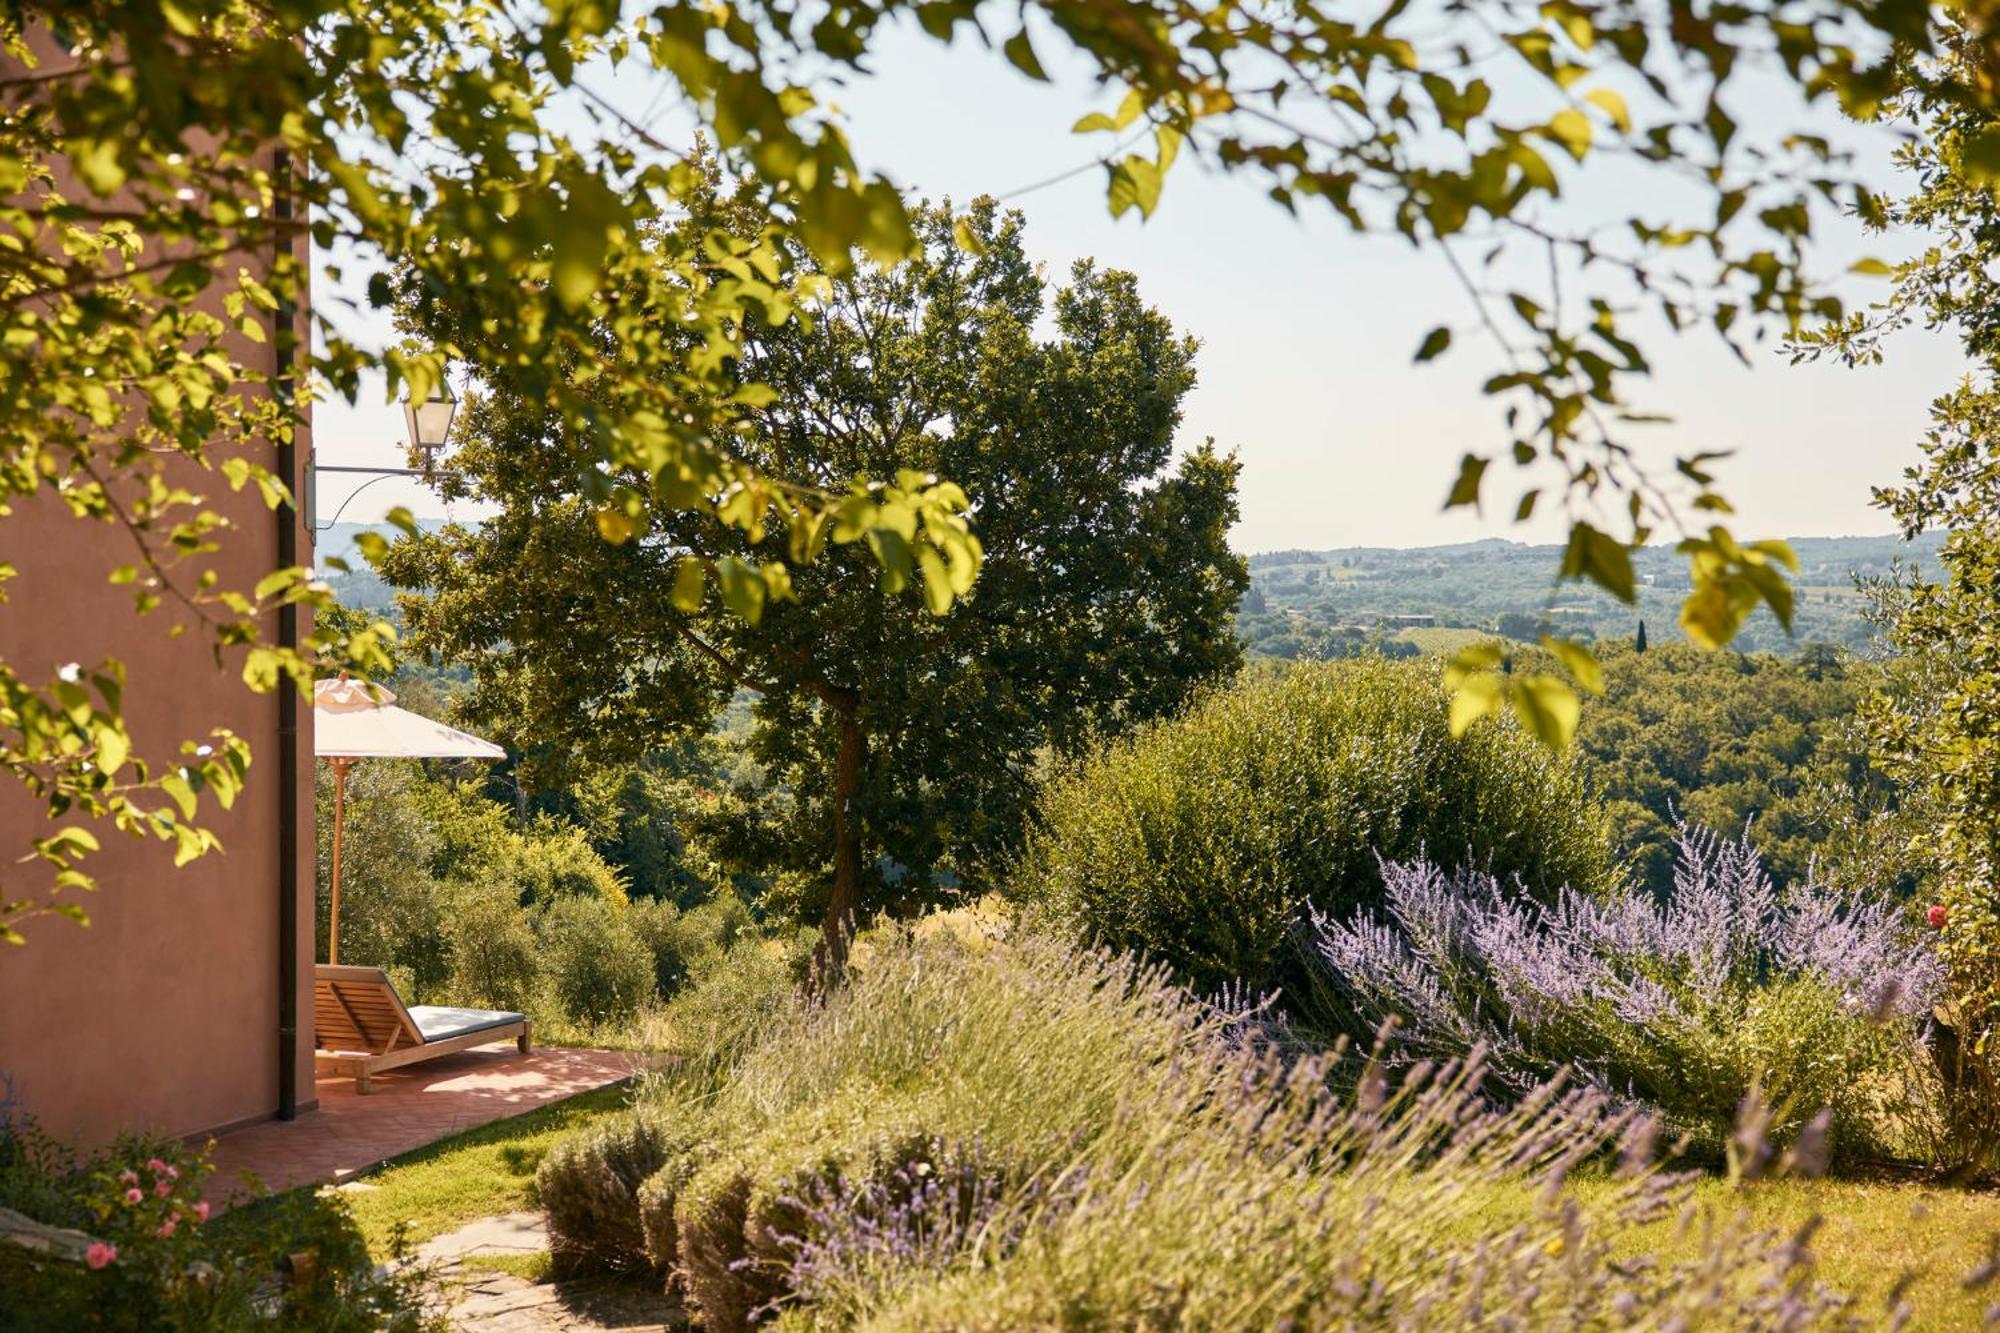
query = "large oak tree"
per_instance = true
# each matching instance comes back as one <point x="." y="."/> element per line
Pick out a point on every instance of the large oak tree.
<point x="906" y="739"/>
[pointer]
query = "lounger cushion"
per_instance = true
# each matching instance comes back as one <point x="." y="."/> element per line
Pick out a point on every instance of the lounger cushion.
<point x="439" y="1021"/>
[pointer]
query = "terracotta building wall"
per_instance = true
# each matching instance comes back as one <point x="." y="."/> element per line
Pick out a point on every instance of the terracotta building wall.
<point x="162" y="1014"/>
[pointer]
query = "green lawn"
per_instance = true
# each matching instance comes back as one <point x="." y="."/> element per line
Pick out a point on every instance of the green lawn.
<point x="483" y="1171"/>
<point x="1872" y="1234"/>
<point x="1443" y="640"/>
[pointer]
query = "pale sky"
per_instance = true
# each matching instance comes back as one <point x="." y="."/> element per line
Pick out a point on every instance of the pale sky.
<point x="1308" y="334"/>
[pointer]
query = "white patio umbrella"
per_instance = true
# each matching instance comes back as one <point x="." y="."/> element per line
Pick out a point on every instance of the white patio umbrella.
<point x="353" y="721"/>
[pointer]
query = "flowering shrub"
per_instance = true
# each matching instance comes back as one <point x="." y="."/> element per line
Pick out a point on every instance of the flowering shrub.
<point x="1015" y="1134"/>
<point x="146" y="1219"/>
<point x="157" y="1258"/>
<point x="1687" y="1004"/>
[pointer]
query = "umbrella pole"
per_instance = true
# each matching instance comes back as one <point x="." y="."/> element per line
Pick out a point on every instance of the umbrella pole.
<point x="339" y="821"/>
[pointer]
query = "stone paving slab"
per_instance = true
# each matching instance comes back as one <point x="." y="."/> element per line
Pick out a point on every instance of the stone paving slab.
<point x="505" y="1304"/>
<point x="406" y="1109"/>
<point x="485" y="1302"/>
<point x="508" y="1233"/>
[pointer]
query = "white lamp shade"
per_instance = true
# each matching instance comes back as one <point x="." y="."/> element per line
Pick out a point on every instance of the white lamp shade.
<point x="429" y="422"/>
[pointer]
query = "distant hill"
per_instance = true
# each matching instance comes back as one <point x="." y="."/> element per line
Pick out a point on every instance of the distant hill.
<point x="1332" y="603"/>
<point x="1353" y="599"/>
<point x="359" y="587"/>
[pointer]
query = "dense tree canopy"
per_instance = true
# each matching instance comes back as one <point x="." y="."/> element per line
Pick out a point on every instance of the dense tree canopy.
<point x="1729" y="742"/>
<point x="906" y="740"/>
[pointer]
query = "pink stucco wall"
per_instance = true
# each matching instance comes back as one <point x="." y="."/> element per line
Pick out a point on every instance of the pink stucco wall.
<point x="163" y="1013"/>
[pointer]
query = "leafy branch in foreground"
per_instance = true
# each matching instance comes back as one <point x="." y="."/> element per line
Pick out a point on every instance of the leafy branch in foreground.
<point x="164" y="164"/>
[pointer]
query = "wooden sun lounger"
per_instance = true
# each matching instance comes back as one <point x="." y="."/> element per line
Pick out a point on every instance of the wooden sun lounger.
<point x="363" y="1028"/>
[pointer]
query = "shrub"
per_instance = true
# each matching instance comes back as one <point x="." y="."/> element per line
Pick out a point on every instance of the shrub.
<point x="1007" y="1133"/>
<point x="1200" y="841"/>
<point x="589" y="1184"/>
<point x="684" y="942"/>
<point x="723" y="920"/>
<point x="1813" y="1001"/>
<point x="473" y="838"/>
<point x="600" y="969"/>
<point x="496" y="961"/>
<point x="743" y="1219"/>
<point x="390" y="904"/>
<point x="723" y="1013"/>
<point x="474" y="841"/>
<point x="554" y="860"/>
<point x="157" y="1259"/>
<point x="672" y="941"/>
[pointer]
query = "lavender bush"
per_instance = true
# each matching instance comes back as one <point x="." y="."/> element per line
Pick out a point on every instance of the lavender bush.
<point x="1811" y="998"/>
<point x="1009" y="1133"/>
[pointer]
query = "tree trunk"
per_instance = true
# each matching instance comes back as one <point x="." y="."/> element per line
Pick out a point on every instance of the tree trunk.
<point x="830" y="955"/>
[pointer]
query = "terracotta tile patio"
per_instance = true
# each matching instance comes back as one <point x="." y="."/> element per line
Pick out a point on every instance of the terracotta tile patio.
<point x="405" y="1109"/>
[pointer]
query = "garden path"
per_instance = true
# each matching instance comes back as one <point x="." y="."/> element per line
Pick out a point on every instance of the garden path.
<point x="494" y="1302"/>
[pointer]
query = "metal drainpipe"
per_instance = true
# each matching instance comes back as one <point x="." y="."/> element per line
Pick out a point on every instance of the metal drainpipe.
<point x="284" y="343"/>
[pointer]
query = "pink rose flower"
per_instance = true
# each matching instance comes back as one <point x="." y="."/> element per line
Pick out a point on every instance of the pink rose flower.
<point x="1938" y="915"/>
<point x="163" y="1188"/>
<point x="201" y="1211"/>
<point x="134" y="1194"/>
<point x="173" y="1173"/>
<point x="128" y="1177"/>
<point x="99" y="1254"/>
<point x="155" y="1165"/>
<point x="167" y="1227"/>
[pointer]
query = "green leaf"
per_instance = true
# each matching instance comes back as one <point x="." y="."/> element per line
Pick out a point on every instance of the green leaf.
<point x="1571" y="128"/>
<point x="965" y="238"/>
<point x="937" y="581"/>
<point x="70" y="841"/>
<point x="1579" y="661"/>
<point x="177" y="787"/>
<point x="1465" y="491"/>
<point x="1979" y="153"/>
<point x="690" y="584"/>
<point x="1021" y="55"/>
<point x="743" y="588"/>
<point x="1548" y="708"/>
<point x="113" y="749"/>
<point x="96" y="163"/>
<point x="1601" y="559"/>
<point x="581" y="242"/>
<point x="275" y="582"/>
<point x="1473" y="659"/>
<point x="1135" y="183"/>
<point x="1434" y="344"/>
<point x="1613" y="105"/>
<point x="1474" y="697"/>
<point x="615" y="525"/>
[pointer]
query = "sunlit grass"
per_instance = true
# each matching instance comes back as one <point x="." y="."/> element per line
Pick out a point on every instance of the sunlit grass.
<point x="1442" y="640"/>
<point x="1873" y="1235"/>
<point x="476" y="1174"/>
<point x="536" y="1266"/>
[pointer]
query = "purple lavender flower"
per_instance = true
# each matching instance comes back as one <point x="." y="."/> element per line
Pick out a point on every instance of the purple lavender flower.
<point x="1639" y="995"/>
